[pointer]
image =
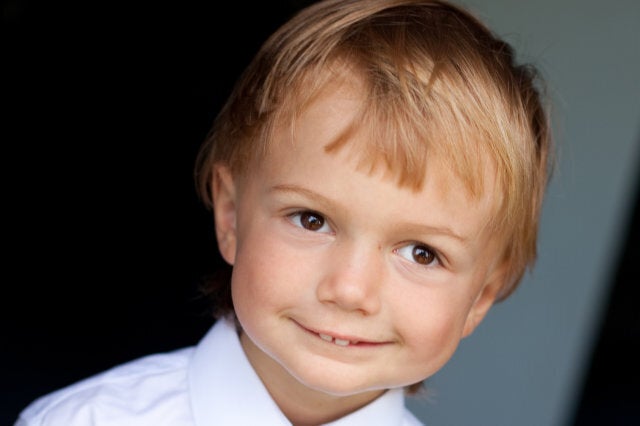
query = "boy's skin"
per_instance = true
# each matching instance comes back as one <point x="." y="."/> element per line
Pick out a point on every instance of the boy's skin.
<point x="320" y="244"/>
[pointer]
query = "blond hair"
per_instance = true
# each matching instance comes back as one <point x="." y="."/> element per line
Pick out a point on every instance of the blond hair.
<point x="436" y="80"/>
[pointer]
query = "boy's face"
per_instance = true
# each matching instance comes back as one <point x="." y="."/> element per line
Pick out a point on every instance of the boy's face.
<point x="343" y="282"/>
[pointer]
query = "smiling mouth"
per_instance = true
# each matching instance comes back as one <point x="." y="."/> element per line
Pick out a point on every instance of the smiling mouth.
<point x="341" y="340"/>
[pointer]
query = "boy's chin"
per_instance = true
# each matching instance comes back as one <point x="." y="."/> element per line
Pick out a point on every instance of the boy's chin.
<point x="339" y="386"/>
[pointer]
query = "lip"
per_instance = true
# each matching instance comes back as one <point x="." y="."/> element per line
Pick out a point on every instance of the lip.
<point x="341" y="340"/>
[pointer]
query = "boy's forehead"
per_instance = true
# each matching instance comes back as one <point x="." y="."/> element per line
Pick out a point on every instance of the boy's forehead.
<point x="330" y="115"/>
<point x="339" y="179"/>
<point x="333" y="121"/>
<point x="335" y="116"/>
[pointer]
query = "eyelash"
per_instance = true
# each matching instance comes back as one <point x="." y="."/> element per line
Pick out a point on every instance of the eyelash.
<point x="300" y="217"/>
<point x="408" y="252"/>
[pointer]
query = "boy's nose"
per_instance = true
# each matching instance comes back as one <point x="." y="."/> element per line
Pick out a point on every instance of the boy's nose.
<point x="353" y="280"/>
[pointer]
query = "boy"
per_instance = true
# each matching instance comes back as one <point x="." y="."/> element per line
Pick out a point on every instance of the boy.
<point x="376" y="179"/>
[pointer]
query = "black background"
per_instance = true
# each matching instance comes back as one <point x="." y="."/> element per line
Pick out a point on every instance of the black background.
<point x="610" y="394"/>
<point x="105" y="106"/>
<point x="105" y="241"/>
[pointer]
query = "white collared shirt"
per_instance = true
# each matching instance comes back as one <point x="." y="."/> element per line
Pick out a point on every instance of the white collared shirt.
<point x="206" y="385"/>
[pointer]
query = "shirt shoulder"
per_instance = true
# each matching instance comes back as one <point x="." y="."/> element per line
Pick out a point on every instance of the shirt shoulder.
<point x="152" y="390"/>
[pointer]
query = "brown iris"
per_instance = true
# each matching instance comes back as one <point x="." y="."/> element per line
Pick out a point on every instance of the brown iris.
<point x="311" y="221"/>
<point x="422" y="255"/>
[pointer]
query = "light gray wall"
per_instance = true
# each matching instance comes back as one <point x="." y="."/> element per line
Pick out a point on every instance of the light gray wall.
<point x="524" y="364"/>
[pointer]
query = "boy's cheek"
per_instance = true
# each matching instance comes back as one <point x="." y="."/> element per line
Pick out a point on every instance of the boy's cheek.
<point x="430" y="347"/>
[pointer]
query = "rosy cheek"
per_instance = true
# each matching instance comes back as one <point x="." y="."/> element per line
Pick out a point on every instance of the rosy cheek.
<point x="434" y="335"/>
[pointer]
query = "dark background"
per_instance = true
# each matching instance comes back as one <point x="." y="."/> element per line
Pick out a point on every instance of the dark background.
<point x="105" y="106"/>
<point x="610" y="393"/>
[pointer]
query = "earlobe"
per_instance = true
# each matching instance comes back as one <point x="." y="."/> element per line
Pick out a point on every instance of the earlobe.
<point x="485" y="300"/>
<point x="224" y="210"/>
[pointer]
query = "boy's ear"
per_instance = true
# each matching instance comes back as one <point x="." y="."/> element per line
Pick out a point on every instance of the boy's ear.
<point x="224" y="211"/>
<point x="485" y="299"/>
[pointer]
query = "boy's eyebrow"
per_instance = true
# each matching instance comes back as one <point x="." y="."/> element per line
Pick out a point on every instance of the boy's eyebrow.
<point x="303" y="191"/>
<point x="412" y="227"/>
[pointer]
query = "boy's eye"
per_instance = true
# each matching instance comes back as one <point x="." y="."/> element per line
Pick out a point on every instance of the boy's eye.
<point x="310" y="221"/>
<point x="418" y="253"/>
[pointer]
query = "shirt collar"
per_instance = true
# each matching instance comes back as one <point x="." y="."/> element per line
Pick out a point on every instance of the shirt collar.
<point x="224" y="389"/>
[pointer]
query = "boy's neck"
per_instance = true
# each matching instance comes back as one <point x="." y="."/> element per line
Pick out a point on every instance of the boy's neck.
<point x="302" y="405"/>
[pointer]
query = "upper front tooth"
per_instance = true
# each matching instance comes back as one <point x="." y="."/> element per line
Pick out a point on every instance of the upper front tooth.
<point x="326" y="337"/>
<point x="341" y="342"/>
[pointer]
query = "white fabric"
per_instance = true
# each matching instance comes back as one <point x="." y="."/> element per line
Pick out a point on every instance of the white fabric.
<point x="210" y="384"/>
